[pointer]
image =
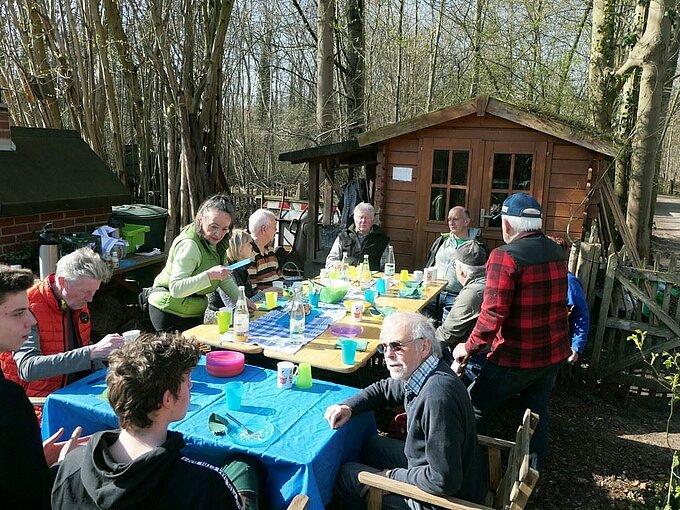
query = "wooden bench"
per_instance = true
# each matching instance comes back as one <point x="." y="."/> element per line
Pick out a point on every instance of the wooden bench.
<point x="299" y="502"/>
<point x="508" y="490"/>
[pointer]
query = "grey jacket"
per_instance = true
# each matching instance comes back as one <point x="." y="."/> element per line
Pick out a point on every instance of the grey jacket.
<point x="464" y="312"/>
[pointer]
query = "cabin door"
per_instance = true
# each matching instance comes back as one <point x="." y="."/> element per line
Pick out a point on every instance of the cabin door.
<point x="448" y="179"/>
<point x="508" y="167"/>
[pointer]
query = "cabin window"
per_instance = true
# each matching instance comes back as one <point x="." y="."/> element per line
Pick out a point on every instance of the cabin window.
<point x="450" y="171"/>
<point x="511" y="174"/>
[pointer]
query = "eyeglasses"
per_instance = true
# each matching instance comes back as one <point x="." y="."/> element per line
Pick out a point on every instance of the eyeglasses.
<point x="393" y="346"/>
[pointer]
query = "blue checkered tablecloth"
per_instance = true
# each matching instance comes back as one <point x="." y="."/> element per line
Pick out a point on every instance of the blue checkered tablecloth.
<point x="267" y="330"/>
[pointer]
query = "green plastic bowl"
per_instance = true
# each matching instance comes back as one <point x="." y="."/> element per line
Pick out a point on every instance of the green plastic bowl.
<point x="410" y="285"/>
<point x="334" y="291"/>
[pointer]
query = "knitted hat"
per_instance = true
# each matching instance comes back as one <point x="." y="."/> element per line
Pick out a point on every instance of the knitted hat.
<point x="471" y="253"/>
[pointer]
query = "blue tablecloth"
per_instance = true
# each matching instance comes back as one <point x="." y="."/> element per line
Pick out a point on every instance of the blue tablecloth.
<point x="303" y="456"/>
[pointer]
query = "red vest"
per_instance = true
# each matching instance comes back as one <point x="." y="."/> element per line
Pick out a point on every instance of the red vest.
<point x="51" y="317"/>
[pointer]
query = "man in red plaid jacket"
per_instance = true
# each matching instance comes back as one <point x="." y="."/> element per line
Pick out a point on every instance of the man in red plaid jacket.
<point x="523" y="319"/>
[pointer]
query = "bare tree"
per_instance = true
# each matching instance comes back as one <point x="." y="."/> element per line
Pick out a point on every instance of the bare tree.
<point x="649" y="54"/>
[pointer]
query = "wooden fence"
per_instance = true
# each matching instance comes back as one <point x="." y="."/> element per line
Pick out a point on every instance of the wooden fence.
<point x="635" y="299"/>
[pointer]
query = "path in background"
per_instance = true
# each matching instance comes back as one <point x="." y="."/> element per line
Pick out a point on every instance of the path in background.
<point x="666" y="227"/>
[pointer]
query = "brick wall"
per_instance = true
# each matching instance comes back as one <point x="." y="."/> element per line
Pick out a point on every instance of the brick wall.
<point x="20" y="233"/>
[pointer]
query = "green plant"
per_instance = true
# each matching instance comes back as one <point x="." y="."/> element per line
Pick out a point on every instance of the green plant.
<point x="670" y="381"/>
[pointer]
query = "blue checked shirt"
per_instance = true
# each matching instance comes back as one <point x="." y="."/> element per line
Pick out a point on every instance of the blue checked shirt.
<point x="414" y="384"/>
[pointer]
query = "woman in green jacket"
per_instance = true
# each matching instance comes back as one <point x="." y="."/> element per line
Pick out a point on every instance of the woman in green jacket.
<point x="196" y="266"/>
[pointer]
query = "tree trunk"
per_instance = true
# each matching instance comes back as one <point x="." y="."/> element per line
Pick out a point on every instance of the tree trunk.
<point x="102" y="41"/>
<point x="324" y="70"/>
<point x="138" y="121"/>
<point x="564" y="74"/>
<point x="400" y="61"/>
<point x="43" y="78"/>
<point x="649" y="54"/>
<point x="602" y="52"/>
<point x="324" y="81"/>
<point x="627" y="115"/>
<point x="356" y="120"/>
<point x="476" y="48"/>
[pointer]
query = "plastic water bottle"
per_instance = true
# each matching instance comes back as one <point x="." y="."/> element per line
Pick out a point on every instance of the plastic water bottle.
<point x="343" y="274"/>
<point x="390" y="266"/>
<point x="365" y="275"/>
<point x="297" y="318"/>
<point x="241" y="317"/>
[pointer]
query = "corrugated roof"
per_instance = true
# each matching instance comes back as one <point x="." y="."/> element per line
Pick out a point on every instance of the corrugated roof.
<point x="54" y="170"/>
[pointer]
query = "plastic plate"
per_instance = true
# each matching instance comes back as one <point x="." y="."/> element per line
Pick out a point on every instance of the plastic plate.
<point x="263" y="432"/>
<point x="347" y="330"/>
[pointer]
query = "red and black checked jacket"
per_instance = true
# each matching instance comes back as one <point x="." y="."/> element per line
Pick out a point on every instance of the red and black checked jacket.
<point x="524" y="311"/>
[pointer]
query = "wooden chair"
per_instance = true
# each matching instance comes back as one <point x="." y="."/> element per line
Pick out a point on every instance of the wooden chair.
<point x="299" y="502"/>
<point x="509" y="490"/>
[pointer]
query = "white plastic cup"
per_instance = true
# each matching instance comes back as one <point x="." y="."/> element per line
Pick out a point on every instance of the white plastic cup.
<point x="430" y="275"/>
<point x="357" y="310"/>
<point x="131" y="336"/>
<point x="285" y="374"/>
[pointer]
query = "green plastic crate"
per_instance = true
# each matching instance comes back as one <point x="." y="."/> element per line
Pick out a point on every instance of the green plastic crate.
<point x="134" y="235"/>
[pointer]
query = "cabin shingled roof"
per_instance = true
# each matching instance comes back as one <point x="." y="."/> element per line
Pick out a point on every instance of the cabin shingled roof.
<point x="550" y="124"/>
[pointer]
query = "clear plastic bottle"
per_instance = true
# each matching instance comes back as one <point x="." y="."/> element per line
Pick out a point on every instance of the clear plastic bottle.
<point x="390" y="266"/>
<point x="115" y="260"/>
<point x="297" y="318"/>
<point x="365" y="275"/>
<point x="343" y="273"/>
<point x="241" y="317"/>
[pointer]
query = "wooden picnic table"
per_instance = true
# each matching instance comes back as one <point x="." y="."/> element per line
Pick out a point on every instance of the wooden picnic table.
<point x="321" y="352"/>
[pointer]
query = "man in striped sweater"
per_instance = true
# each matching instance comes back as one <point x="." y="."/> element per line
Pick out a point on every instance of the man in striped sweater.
<point x="264" y="270"/>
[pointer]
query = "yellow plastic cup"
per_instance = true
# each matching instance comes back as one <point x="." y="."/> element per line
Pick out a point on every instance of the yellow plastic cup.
<point x="223" y="320"/>
<point x="270" y="299"/>
<point x="304" y="377"/>
<point x="352" y="272"/>
<point x="403" y="275"/>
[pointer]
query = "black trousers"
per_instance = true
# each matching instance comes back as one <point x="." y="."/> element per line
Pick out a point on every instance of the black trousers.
<point x="164" y="321"/>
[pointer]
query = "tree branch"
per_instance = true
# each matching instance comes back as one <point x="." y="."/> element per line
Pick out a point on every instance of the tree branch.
<point x="629" y="65"/>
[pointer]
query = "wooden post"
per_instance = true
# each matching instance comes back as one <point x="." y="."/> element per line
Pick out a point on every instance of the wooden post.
<point x="610" y="277"/>
<point x="590" y="291"/>
<point x="327" y="194"/>
<point x="313" y="211"/>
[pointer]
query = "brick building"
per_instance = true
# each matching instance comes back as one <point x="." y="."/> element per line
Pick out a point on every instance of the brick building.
<point x="49" y="175"/>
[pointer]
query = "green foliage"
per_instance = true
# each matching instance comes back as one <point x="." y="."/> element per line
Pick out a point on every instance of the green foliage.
<point x="671" y="380"/>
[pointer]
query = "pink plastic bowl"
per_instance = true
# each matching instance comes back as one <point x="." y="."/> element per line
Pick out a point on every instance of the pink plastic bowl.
<point x="224" y="363"/>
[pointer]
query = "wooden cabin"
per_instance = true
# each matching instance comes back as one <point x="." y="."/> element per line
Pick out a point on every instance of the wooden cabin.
<point x="474" y="154"/>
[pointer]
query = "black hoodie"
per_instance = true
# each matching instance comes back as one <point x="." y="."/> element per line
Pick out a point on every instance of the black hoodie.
<point x="89" y="477"/>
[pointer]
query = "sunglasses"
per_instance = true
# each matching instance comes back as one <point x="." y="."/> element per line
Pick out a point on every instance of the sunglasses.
<point x="393" y="346"/>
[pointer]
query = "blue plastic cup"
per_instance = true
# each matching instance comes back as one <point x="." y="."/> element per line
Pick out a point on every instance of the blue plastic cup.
<point x="370" y="295"/>
<point x="380" y="286"/>
<point x="349" y="350"/>
<point x="234" y="391"/>
<point x="314" y="298"/>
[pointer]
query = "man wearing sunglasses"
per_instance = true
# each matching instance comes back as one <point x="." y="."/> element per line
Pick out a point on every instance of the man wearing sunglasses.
<point x="440" y="454"/>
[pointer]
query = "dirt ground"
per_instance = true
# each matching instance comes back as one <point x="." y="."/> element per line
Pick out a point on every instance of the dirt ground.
<point x="609" y="451"/>
<point x="605" y="452"/>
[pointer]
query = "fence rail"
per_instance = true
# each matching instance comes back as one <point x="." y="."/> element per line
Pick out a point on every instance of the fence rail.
<point x="635" y="299"/>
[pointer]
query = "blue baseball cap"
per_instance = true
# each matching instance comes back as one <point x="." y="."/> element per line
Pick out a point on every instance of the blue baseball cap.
<point x="521" y="205"/>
